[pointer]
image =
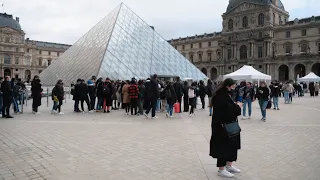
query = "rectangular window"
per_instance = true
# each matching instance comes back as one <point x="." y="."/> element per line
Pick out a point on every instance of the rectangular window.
<point x="49" y="53"/>
<point x="28" y="50"/>
<point x="288" y="34"/>
<point x="183" y="46"/>
<point x="58" y="53"/>
<point x="200" y="57"/>
<point x="260" y="51"/>
<point x="229" y="53"/>
<point x="191" y="46"/>
<point x="17" y="49"/>
<point x="260" y="34"/>
<point x="209" y="44"/>
<point x="304" y="48"/>
<point x="16" y="60"/>
<point x="209" y="56"/>
<point x="40" y="52"/>
<point x="288" y="49"/>
<point x="304" y="32"/>
<point x="49" y="62"/>
<point x="200" y="45"/>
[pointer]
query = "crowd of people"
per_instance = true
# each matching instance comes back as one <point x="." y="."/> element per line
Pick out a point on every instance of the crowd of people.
<point x="144" y="97"/>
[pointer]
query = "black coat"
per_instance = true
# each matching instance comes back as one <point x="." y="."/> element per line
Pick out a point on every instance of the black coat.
<point x="36" y="92"/>
<point x="153" y="90"/>
<point x="224" y="111"/>
<point x="173" y="99"/>
<point x="263" y="93"/>
<point x="108" y="96"/>
<point x="178" y="87"/>
<point x="202" y="90"/>
<point x="6" y="90"/>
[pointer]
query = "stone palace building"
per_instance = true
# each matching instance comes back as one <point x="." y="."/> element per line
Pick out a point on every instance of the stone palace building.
<point x="257" y="33"/>
<point x="20" y="57"/>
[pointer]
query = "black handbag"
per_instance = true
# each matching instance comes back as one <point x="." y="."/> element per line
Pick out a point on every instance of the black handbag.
<point x="232" y="129"/>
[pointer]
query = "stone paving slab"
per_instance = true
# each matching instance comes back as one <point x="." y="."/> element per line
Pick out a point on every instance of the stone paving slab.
<point x="119" y="147"/>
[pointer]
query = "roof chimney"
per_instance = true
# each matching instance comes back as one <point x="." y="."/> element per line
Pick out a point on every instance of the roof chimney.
<point x="17" y="19"/>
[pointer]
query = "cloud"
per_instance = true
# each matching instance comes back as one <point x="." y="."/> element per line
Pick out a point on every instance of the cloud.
<point x="65" y="21"/>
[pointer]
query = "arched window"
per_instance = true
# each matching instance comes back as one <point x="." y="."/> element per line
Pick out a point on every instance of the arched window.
<point x="7" y="59"/>
<point x="274" y="18"/>
<point x="243" y="52"/>
<point x="40" y="61"/>
<point x="261" y="19"/>
<point x="245" y="22"/>
<point x="230" y="24"/>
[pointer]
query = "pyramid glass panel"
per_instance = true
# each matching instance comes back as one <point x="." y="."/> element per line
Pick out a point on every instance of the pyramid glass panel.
<point x="120" y="46"/>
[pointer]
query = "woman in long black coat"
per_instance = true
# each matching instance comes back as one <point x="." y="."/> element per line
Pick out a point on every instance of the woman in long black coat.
<point x="225" y="110"/>
<point x="108" y="92"/>
<point x="36" y="91"/>
<point x="185" y="97"/>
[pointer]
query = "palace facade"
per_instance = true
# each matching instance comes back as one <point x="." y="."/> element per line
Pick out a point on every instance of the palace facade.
<point x="256" y="33"/>
<point x="20" y="57"/>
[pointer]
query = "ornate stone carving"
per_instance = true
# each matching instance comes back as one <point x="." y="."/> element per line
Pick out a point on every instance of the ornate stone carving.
<point x="253" y="18"/>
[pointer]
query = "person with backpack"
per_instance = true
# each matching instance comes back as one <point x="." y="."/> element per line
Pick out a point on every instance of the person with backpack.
<point x="178" y="87"/>
<point x="126" y="97"/>
<point x="170" y="95"/>
<point x="202" y="93"/>
<point x="107" y="92"/>
<point x="36" y="89"/>
<point x="134" y="96"/>
<point x="192" y="98"/>
<point x="57" y="97"/>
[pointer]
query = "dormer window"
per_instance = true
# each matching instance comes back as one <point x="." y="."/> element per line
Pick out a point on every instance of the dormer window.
<point x="230" y="24"/>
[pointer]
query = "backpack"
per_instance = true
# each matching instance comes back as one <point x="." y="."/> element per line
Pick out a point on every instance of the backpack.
<point x="17" y="89"/>
<point x="167" y="93"/>
<point x="106" y="90"/>
<point x="191" y="93"/>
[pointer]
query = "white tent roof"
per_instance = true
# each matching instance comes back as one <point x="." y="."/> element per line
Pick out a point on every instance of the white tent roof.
<point x="310" y="77"/>
<point x="247" y="73"/>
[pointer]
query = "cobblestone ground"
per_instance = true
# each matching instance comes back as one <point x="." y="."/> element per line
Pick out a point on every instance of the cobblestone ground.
<point x="120" y="147"/>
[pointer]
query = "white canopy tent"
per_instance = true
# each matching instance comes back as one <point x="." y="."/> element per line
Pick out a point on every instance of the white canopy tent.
<point x="311" y="77"/>
<point x="247" y="73"/>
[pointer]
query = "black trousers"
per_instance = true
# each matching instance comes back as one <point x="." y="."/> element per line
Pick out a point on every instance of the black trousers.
<point x="92" y="102"/>
<point x="134" y="106"/>
<point x="317" y="93"/>
<point x="86" y="99"/>
<point x="60" y="98"/>
<point x="223" y="161"/>
<point x="6" y="106"/>
<point x="153" y="107"/>
<point x="185" y="103"/>
<point x="203" y="102"/>
<point x="126" y="106"/>
<point x="192" y="104"/>
<point x="311" y="93"/>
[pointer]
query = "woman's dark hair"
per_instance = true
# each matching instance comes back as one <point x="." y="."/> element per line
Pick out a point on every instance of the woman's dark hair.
<point x="223" y="86"/>
<point x="209" y="83"/>
<point x="59" y="82"/>
<point x="201" y="82"/>
<point x="185" y="83"/>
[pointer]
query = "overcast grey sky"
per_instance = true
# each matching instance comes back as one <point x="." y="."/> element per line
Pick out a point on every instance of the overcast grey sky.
<point x="65" y="21"/>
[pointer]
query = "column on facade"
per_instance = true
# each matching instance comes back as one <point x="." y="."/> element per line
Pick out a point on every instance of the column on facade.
<point x="232" y="51"/>
<point x="252" y="52"/>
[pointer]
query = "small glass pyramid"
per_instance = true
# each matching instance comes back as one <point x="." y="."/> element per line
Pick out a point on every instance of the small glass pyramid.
<point x="120" y="46"/>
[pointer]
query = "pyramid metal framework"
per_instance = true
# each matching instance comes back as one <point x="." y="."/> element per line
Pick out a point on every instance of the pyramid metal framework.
<point x="120" y="46"/>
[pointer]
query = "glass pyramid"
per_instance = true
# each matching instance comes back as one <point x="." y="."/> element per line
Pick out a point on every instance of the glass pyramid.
<point x="120" y="46"/>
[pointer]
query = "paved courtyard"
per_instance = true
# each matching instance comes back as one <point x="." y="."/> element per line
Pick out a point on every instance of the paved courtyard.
<point x="119" y="147"/>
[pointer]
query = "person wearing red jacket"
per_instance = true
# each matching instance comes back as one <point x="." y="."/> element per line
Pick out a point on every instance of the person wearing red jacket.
<point x="134" y="96"/>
